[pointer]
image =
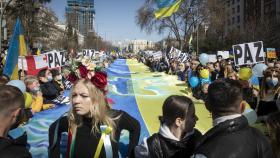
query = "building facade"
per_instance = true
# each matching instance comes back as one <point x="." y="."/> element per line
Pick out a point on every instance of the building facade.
<point x="240" y="12"/>
<point x="80" y="14"/>
<point x="137" y="45"/>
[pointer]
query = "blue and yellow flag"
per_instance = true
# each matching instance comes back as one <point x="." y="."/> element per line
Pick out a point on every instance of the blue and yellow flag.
<point x="167" y="7"/>
<point x="17" y="47"/>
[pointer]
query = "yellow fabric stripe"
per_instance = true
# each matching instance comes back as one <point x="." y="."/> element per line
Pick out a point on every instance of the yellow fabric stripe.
<point x="99" y="146"/>
<point x="168" y="11"/>
<point x="14" y="75"/>
<point x="151" y="89"/>
<point x="22" y="46"/>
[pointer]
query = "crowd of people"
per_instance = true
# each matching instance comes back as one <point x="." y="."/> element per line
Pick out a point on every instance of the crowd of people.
<point x="94" y="128"/>
<point x="260" y="93"/>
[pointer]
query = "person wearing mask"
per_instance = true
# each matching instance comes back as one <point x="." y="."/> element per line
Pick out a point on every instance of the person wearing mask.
<point x="231" y="136"/>
<point x="89" y="118"/>
<point x="269" y="93"/>
<point x="48" y="88"/>
<point x="57" y="80"/>
<point x="177" y="135"/>
<point x="33" y="87"/>
<point x="11" y="113"/>
<point x="217" y="73"/>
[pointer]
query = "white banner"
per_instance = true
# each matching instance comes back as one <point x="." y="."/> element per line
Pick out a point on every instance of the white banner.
<point x="224" y="54"/>
<point x="248" y="53"/>
<point x="174" y="53"/>
<point x="212" y="58"/>
<point x="157" y="55"/>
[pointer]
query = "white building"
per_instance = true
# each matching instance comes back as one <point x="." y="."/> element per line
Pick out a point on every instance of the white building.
<point x="137" y="45"/>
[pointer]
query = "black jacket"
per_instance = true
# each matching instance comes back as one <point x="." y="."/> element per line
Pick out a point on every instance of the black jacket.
<point x="234" y="139"/>
<point x="14" y="148"/>
<point x="49" y="90"/>
<point x="161" y="147"/>
<point x="89" y="141"/>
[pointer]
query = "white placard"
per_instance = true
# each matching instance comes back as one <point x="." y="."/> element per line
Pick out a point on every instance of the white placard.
<point x="56" y="59"/>
<point x="248" y="53"/>
<point x="224" y="54"/>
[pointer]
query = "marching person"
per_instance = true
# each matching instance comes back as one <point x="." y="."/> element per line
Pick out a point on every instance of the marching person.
<point x="48" y="88"/>
<point x="11" y="113"/>
<point x="231" y="136"/>
<point x="91" y="121"/>
<point x="177" y="135"/>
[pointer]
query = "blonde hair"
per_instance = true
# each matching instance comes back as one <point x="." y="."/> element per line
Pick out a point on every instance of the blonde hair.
<point x="98" y="112"/>
<point x="30" y="79"/>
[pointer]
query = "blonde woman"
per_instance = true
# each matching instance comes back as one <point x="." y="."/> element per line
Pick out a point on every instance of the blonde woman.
<point x="90" y="119"/>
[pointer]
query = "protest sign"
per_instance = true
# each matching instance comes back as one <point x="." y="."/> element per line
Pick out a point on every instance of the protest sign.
<point x="56" y="59"/>
<point x="271" y="53"/>
<point x="248" y="53"/>
<point x="224" y="54"/>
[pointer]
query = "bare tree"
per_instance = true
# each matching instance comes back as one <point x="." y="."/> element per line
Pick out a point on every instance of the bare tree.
<point x="179" y="24"/>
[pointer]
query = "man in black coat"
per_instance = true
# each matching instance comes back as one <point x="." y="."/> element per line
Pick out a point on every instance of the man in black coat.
<point x="231" y="136"/>
<point x="11" y="112"/>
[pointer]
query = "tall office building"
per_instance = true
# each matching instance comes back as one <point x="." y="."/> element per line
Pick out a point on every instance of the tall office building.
<point x="240" y="12"/>
<point x="80" y="15"/>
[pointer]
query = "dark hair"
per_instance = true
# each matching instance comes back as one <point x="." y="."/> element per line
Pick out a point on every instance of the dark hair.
<point x="54" y="72"/>
<point x="42" y="73"/>
<point x="10" y="98"/>
<point x="175" y="106"/>
<point x="3" y="80"/>
<point x="224" y="97"/>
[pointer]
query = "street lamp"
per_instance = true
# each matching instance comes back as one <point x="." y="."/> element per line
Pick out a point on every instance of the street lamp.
<point x="1" y="18"/>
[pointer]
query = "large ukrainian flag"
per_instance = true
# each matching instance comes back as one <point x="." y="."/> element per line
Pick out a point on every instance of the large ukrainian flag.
<point x="167" y="7"/>
<point x="17" y="47"/>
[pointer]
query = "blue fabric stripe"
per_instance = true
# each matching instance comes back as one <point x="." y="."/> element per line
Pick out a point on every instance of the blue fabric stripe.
<point x="164" y="3"/>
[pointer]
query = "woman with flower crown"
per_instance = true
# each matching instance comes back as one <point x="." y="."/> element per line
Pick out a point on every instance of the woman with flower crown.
<point x="93" y="127"/>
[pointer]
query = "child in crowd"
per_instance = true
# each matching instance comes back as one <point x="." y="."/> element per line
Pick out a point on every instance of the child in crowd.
<point x="177" y="135"/>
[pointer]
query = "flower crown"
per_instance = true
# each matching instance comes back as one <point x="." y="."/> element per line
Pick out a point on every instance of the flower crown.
<point x="84" y="68"/>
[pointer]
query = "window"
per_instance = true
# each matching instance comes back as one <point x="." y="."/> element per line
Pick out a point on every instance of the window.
<point x="238" y="19"/>
<point x="233" y="10"/>
<point x="228" y="21"/>
<point x="228" y="3"/>
<point x="238" y="8"/>
<point x="232" y="2"/>
<point x="233" y="20"/>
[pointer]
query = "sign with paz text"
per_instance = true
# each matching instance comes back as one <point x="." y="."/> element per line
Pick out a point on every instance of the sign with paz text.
<point x="248" y="53"/>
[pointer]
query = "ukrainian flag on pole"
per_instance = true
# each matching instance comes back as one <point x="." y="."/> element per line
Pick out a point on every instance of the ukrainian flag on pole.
<point x="167" y="7"/>
<point x="17" y="47"/>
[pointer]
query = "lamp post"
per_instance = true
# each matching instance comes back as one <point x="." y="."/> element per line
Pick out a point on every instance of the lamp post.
<point x="1" y="18"/>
